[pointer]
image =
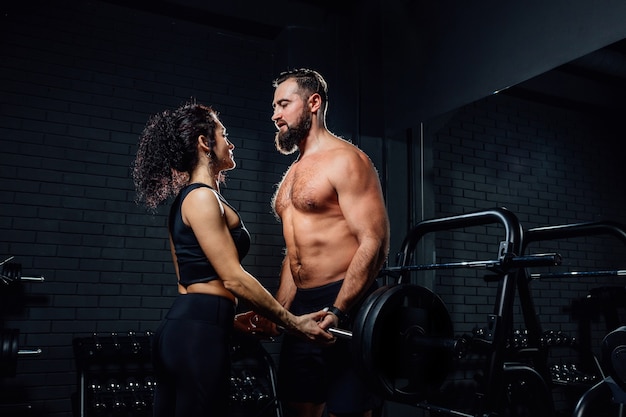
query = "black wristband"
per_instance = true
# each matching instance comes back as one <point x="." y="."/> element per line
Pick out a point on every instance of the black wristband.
<point x="343" y="317"/>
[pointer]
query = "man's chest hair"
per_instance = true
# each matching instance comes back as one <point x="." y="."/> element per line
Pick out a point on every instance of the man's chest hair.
<point x="306" y="189"/>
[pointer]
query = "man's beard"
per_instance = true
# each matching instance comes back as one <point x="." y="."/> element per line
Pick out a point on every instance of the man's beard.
<point x="287" y="142"/>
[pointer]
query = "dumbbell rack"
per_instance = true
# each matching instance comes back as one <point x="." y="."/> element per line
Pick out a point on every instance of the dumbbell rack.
<point x="10" y="278"/>
<point x="253" y="380"/>
<point x="603" y="301"/>
<point x="115" y="376"/>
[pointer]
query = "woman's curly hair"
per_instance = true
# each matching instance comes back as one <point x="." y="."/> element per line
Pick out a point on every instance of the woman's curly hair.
<point x="168" y="151"/>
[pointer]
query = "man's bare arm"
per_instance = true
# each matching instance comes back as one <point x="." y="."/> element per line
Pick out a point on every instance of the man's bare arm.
<point x="287" y="287"/>
<point x="361" y="201"/>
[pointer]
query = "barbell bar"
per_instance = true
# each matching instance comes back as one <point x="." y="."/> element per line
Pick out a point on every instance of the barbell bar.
<point x="12" y="272"/>
<point x="504" y="264"/>
<point x="29" y="352"/>
<point x="582" y="274"/>
<point x="416" y="340"/>
<point x="340" y="333"/>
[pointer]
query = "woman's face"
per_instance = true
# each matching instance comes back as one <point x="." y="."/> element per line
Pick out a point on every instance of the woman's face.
<point x="223" y="149"/>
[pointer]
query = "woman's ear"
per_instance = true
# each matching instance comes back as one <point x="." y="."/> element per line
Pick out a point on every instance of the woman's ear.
<point x="203" y="144"/>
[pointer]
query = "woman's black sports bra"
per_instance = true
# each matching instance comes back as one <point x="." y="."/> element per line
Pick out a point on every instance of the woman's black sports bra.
<point x="193" y="265"/>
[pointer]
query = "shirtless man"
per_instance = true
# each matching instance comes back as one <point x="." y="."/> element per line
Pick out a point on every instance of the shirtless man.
<point x="336" y="232"/>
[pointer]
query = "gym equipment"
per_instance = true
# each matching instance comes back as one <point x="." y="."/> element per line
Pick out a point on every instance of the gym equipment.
<point x="607" y="397"/>
<point x="115" y="377"/>
<point x="12" y="272"/>
<point x="614" y="355"/>
<point x="603" y="394"/>
<point x="579" y="274"/>
<point x="253" y="379"/>
<point x="403" y="341"/>
<point x="10" y="352"/>
<point x="403" y="335"/>
<point x="506" y="263"/>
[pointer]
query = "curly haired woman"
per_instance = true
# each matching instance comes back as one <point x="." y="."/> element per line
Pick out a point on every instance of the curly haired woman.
<point x="184" y="153"/>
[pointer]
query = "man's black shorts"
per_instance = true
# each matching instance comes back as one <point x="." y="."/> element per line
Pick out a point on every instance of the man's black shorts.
<point x="318" y="374"/>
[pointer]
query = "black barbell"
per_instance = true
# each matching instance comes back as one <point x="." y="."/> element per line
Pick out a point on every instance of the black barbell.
<point x="12" y="272"/>
<point x="503" y="265"/>
<point x="9" y="351"/>
<point x="402" y="341"/>
<point x="402" y="337"/>
<point x="614" y="355"/>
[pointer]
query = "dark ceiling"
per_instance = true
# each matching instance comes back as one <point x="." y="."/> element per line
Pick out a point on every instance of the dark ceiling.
<point x="246" y="17"/>
<point x="595" y="82"/>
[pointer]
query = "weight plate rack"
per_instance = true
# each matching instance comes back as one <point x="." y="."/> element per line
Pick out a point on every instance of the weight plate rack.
<point x="13" y="402"/>
<point x="115" y="377"/>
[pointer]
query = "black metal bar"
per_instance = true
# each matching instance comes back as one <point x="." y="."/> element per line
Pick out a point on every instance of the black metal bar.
<point x="442" y="410"/>
<point x="451" y="265"/>
<point x="533" y="326"/>
<point x="547" y="259"/>
<point x="513" y="229"/>
<point x="575" y="230"/>
<point x="582" y="274"/>
<point x="341" y="333"/>
<point x="409" y="175"/>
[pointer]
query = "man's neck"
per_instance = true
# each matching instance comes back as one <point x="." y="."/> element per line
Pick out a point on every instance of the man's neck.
<point x="314" y="141"/>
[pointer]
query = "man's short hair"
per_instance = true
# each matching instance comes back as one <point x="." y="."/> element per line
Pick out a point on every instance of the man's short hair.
<point x="308" y="80"/>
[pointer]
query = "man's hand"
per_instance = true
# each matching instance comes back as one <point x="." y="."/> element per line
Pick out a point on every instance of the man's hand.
<point x="308" y="326"/>
<point x="329" y="320"/>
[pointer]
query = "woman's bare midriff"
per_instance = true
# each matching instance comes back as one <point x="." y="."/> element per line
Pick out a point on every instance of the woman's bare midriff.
<point x="215" y="287"/>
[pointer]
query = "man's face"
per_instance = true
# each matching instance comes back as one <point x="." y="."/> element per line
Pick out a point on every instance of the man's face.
<point x="291" y="117"/>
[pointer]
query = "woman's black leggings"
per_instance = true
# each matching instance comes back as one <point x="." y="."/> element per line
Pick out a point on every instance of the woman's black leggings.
<point x="191" y="357"/>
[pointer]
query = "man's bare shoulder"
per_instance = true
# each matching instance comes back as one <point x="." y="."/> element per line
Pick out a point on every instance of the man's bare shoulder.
<point x="339" y="148"/>
<point x="347" y="156"/>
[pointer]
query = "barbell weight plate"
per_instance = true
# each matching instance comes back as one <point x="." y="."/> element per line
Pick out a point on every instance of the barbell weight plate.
<point x="525" y="393"/>
<point x="398" y="336"/>
<point x="4" y="346"/>
<point x="9" y="339"/>
<point x="614" y="355"/>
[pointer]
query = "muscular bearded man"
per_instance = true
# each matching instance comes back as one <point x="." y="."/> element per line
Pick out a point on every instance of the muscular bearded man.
<point x="336" y="232"/>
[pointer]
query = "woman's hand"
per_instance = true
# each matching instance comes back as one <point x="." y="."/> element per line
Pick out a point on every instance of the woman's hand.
<point x="308" y="327"/>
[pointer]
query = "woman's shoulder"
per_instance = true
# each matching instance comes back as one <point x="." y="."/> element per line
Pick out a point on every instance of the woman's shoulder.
<point x="200" y="192"/>
<point x="201" y="203"/>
